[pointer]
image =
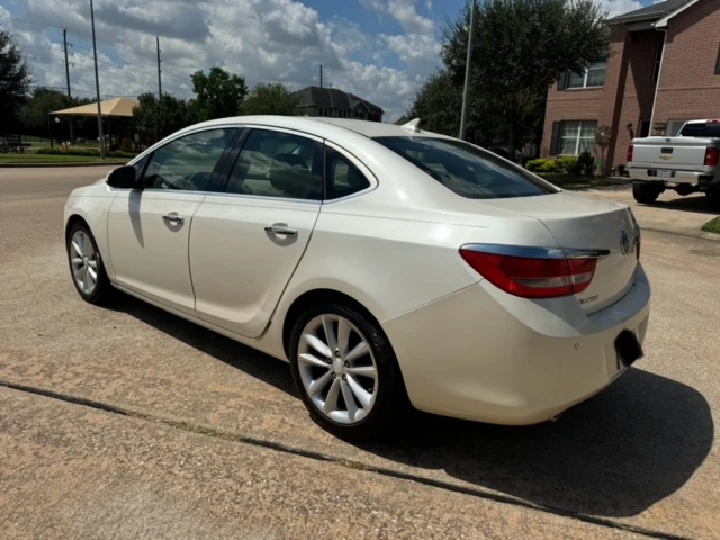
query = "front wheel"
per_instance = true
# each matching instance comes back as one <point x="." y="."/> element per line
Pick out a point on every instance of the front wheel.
<point x="345" y="371"/>
<point x="645" y="193"/>
<point x="86" y="266"/>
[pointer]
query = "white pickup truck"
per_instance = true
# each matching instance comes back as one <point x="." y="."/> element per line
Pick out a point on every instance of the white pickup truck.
<point x="687" y="163"/>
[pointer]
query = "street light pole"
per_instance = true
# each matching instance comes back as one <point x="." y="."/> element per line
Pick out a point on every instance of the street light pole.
<point x="463" y="114"/>
<point x="97" y="84"/>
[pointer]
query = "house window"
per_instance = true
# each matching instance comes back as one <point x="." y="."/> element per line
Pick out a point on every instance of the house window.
<point x="592" y="77"/>
<point x="577" y="137"/>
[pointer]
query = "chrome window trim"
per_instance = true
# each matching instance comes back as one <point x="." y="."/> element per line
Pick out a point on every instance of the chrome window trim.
<point x="537" y="252"/>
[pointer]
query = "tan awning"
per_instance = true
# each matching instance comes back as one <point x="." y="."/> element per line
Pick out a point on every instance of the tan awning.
<point x="109" y="107"/>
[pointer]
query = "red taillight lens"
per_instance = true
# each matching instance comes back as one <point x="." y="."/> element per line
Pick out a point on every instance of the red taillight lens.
<point x="712" y="156"/>
<point x="532" y="278"/>
<point x="630" y="153"/>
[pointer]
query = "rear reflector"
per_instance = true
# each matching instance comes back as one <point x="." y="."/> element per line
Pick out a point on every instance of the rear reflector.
<point x="530" y="277"/>
<point x="712" y="156"/>
<point x="630" y="153"/>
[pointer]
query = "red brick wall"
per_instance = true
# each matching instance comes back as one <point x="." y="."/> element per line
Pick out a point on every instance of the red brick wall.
<point x="638" y="93"/>
<point x="689" y="87"/>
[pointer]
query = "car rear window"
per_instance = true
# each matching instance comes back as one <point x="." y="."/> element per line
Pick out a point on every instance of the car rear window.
<point x="699" y="129"/>
<point x="466" y="170"/>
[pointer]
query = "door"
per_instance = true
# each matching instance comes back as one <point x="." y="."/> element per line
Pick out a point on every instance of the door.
<point x="148" y="229"/>
<point x="245" y="243"/>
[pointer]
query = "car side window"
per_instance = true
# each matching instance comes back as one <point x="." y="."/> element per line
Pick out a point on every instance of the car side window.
<point x="343" y="178"/>
<point x="276" y="164"/>
<point x="188" y="162"/>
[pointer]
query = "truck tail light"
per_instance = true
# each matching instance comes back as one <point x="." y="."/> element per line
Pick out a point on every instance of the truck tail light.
<point x="712" y="156"/>
<point x="630" y="153"/>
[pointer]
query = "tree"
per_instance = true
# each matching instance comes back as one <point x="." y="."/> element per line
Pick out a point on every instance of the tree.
<point x="41" y="104"/>
<point x="521" y="48"/>
<point x="14" y="81"/>
<point x="219" y="94"/>
<point x="161" y="117"/>
<point x="438" y="105"/>
<point x="273" y="99"/>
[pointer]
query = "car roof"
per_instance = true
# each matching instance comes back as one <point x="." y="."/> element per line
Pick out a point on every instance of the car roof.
<point x="321" y="126"/>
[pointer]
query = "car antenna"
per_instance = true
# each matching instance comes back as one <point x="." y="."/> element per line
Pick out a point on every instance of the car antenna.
<point x="413" y="125"/>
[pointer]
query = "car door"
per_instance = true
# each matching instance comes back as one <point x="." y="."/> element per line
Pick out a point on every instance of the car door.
<point x="148" y="228"/>
<point x="246" y="242"/>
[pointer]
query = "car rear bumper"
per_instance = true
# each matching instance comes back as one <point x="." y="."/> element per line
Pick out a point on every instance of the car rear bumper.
<point x="482" y="355"/>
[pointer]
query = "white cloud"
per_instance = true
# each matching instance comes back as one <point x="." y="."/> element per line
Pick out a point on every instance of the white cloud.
<point x="264" y="40"/>
<point x="618" y="7"/>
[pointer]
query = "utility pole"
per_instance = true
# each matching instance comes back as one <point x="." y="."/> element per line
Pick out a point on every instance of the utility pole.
<point x="157" y="46"/>
<point x="321" y="81"/>
<point x="463" y="114"/>
<point x="97" y="83"/>
<point x="67" y="79"/>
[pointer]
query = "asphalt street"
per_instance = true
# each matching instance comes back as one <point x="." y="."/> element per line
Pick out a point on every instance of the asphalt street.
<point x="131" y="423"/>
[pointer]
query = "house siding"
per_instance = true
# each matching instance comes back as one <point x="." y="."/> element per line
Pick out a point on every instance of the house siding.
<point x="688" y="86"/>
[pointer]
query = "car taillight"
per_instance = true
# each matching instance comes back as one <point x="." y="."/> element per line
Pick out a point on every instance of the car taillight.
<point x="630" y="153"/>
<point x="712" y="156"/>
<point x="532" y="277"/>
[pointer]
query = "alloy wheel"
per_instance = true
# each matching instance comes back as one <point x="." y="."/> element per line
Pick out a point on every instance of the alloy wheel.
<point x="338" y="369"/>
<point x="84" y="262"/>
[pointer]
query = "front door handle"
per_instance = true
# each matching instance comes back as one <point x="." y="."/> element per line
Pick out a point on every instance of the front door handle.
<point x="279" y="230"/>
<point x="173" y="219"/>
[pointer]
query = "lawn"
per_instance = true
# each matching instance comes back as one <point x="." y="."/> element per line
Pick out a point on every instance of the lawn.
<point x="712" y="226"/>
<point x="56" y="158"/>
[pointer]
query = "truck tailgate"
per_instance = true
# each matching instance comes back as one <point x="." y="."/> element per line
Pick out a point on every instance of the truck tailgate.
<point x="670" y="153"/>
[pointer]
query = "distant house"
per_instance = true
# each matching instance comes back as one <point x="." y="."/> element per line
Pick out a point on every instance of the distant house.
<point x="664" y="69"/>
<point x="316" y="101"/>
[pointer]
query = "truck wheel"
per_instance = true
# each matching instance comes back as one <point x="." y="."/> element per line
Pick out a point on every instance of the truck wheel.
<point x="644" y="193"/>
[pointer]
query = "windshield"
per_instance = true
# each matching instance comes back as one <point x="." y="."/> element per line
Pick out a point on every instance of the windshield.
<point x="466" y="170"/>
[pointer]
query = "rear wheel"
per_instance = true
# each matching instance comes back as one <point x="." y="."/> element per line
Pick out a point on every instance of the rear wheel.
<point x="345" y="371"/>
<point x="645" y="193"/>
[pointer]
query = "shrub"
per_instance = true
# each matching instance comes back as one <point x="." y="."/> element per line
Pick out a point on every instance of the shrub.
<point x="550" y="165"/>
<point x="586" y="163"/>
<point x="85" y="152"/>
<point x="535" y="164"/>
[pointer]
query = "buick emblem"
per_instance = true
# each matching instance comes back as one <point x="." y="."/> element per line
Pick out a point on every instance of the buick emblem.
<point x="624" y="242"/>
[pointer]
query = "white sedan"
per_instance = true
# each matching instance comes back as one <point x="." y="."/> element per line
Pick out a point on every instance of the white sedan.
<point x="388" y="265"/>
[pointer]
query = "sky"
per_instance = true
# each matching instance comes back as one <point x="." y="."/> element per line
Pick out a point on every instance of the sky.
<point x="380" y="50"/>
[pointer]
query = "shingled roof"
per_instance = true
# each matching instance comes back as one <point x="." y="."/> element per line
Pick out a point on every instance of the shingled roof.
<point x="314" y="96"/>
<point x="652" y="12"/>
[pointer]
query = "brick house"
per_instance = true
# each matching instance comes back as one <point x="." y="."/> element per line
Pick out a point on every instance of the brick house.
<point x="664" y="69"/>
<point x="316" y="101"/>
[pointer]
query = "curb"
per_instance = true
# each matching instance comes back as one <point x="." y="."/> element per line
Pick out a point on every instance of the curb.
<point x="63" y="164"/>
<point x="699" y="234"/>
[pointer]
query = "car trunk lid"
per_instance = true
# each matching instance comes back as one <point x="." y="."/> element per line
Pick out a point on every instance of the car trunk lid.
<point x="580" y="222"/>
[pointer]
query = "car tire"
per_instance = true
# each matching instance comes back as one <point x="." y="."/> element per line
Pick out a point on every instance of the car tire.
<point x="85" y="261"/>
<point x="645" y="194"/>
<point x="387" y="390"/>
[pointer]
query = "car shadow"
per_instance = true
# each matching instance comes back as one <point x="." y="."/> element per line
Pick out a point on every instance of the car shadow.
<point x="697" y="204"/>
<point x="615" y="455"/>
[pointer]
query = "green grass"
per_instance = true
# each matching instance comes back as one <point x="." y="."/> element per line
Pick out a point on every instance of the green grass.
<point x="712" y="226"/>
<point x="57" y="158"/>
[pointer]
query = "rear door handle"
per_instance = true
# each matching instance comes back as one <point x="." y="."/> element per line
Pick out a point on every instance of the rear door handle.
<point x="279" y="230"/>
<point x="173" y="218"/>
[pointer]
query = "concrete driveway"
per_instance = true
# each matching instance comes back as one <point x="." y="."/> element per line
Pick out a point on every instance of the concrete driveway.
<point x="131" y="423"/>
<point x="670" y="213"/>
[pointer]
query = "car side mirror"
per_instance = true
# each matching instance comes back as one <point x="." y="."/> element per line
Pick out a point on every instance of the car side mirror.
<point x="122" y="178"/>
